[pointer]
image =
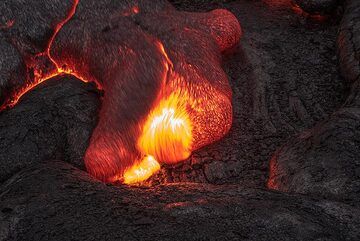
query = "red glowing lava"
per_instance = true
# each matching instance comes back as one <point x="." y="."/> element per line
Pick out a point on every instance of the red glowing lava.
<point x="183" y="107"/>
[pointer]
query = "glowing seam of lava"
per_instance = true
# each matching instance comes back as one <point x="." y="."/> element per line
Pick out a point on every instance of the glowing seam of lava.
<point x="133" y="10"/>
<point x="40" y="79"/>
<point x="57" y="29"/>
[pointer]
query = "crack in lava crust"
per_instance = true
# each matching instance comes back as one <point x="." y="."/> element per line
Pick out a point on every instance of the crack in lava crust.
<point x="39" y="76"/>
<point x="165" y="96"/>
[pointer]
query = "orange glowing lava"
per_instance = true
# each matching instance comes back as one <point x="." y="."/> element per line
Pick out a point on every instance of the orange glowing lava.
<point x="141" y="171"/>
<point x="167" y="134"/>
<point x="188" y="118"/>
<point x="60" y="25"/>
<point x="190" y="108"/>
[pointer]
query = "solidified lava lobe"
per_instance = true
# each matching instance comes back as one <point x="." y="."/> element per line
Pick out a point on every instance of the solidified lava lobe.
<point x="165" y="96"/>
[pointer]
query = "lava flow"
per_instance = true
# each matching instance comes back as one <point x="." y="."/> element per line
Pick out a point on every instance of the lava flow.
<point x="160" y="103"/>
<point x="182" y="121"/>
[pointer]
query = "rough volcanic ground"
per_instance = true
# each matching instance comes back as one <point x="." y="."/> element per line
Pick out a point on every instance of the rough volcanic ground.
<point x="285" y="80"/>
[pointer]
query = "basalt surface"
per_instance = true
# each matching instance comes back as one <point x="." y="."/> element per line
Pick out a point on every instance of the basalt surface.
<point x="287" y="170"/>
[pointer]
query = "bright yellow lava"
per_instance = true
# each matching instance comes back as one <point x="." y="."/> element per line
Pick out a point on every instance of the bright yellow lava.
<point x="142" y="171"/>
<point x="166" y="138"/>
<point x="167" y="133"/>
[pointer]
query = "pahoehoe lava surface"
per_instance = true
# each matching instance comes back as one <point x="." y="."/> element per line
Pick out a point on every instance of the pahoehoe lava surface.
<point x="53" y="121"/>
<point x="325" y="160"/>
<point x="290" y="105"/>
<point x="76" y="207"/>
<point x="284" y="79"/>
<point x="162" y="65"/>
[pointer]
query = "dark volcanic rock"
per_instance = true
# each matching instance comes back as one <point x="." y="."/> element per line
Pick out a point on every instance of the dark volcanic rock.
<point x="325" y="160"/>
<point x="12" y="69"/>
<point x="349" y="42"/>
<point x="317" y="6"/>
<point x="54" y="201"/>
<point x="31" y="23"/>
<point x="55" y="120"/>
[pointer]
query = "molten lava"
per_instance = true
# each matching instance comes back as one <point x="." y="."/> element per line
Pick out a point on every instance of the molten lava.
<point x="154" y="111"/>
<point x="141" y="171"/>
<point x="167" y="134"/>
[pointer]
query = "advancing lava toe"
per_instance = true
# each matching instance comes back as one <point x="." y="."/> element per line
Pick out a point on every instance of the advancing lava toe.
<point x="165" y="93"/>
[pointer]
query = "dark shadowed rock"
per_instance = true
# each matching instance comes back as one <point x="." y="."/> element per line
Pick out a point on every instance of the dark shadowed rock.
<point x="325" y="160"/>
<point x="75" y="206"/>
<point x="12" y="69"/>
<point x="317" y="6"/>
<point x="55" y="120"/>
<point x="32" y="23"/>
<point x="349" y="42"/>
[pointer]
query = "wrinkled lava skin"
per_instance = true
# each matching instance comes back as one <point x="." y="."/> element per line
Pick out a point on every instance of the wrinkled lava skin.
<point x="141" y="54"/>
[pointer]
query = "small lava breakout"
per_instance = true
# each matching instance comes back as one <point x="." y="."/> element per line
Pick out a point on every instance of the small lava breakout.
<point x="160" y="103"/>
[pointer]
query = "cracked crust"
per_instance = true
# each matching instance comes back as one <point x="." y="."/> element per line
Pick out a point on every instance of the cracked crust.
<point x="55" y="120"/>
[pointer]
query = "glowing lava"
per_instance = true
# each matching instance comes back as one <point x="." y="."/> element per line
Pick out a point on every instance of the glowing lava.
<point x="141" y="171"/>
<point x="154" y="111"/>
<point x="167" y="134"/>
